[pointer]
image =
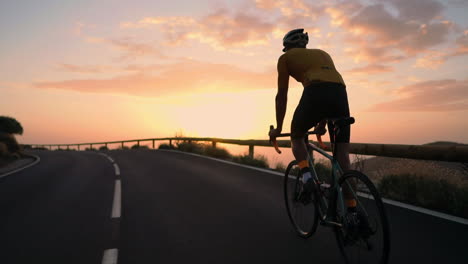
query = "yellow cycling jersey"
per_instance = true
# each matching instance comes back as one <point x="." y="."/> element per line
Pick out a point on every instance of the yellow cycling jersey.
<point x="307" y="66"/>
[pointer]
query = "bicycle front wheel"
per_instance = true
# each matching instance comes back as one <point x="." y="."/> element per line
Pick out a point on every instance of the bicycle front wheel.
<point x="364" y="236"/>
<point x="302" y="211"/>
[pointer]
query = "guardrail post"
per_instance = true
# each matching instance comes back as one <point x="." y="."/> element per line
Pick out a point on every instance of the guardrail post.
<point x="106" y="145"/>
<point x="213" y="143"/>
<point x="68" y="147"/>
<point x="138" y="143"/>
<point x="78" y="146"/>
<point x="170" y="142"/>
<point x="153" y="143"/>
<point x="91" y="146"/>
<point x="251" y="151"/>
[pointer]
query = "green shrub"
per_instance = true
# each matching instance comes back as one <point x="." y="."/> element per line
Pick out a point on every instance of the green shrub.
<point x="10" y="141"/>
<point x="166" y="146"/>
<point x="88" y="149"/>
<point x="190" y="147"/>
<point x="3" y="150"/>
<point x="259" y="161"/>
<point x="103" y="148"/>
<point x="436" y="194"/>
<point x="124" y="148"/>
<point x="323" y="171"/>
<point x="40" y="148"/>
<point x="280" y="167"/>
<point x="219" y="153"/>
<point x="136" y="146"/>
<point x="10" y="125"/>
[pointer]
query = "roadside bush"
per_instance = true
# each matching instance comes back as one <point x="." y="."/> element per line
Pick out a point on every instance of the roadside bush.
<point x="280" y="167"/>
<point x="103" y="148"/>
<point x="166" y="146"/>
<point x="9" y="125"/>
<point x="89" y="149"/>
<point x="190" y="147"/>
<point x="3" y="150"/>
<point x="323" y="171"/>
<point x="10" y="141"/>
<point x="436" y="194"/>
<point x="136" y="146"/>
<point x="259" y="161"/>
<point x="219" y="153"/>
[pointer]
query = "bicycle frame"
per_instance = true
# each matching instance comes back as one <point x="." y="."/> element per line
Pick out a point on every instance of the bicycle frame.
<point x="335" y="192"/>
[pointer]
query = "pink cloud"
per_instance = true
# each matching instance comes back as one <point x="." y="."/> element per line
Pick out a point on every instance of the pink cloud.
<point x="83" y="69"/>
<point x="378" y="35"/>
<point x="130" y="47"/>
<point x="418" y="10"/>
<point x="189" y="76"/>
<point x="437" y="96"/>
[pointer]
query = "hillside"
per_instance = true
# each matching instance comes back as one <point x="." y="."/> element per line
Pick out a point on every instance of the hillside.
<point x="454" y="172"/>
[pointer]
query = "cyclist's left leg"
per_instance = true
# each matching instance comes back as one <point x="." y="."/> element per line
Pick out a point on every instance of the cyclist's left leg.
<point x="305" y="117"/>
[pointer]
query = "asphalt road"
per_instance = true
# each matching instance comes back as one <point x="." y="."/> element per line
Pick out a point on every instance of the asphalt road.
<point x="178" y="208"/>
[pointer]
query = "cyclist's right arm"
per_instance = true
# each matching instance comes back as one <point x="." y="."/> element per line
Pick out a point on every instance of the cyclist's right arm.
<point x="282" y="95"/>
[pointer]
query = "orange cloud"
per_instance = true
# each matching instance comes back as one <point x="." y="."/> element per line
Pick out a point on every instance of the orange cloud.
<point x="220" y="29"/>
<point x="437" y="96"/>
<point x="371" y="69"/>
<point x="189" y="76"/>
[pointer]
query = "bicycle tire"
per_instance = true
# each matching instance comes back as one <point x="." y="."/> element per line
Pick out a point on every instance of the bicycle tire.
<point x="292" y="184"/>
<point x="366" y="194"/>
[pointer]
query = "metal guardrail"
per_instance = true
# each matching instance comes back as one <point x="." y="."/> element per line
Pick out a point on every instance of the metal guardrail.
<point x="452" y="153"/>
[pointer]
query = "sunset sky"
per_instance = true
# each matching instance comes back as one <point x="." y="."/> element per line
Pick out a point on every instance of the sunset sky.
<point x="88" y="70"/>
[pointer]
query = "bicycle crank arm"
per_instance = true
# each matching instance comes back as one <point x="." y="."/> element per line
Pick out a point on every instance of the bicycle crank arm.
<point x="330" y="223"/>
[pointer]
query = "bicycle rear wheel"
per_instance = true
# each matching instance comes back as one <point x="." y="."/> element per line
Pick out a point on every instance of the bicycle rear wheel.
<point x="368" y="239"/>
<point x="304" y="216"/>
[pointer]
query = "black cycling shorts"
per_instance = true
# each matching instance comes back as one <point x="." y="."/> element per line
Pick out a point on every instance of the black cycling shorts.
<point x="320" y="101"/>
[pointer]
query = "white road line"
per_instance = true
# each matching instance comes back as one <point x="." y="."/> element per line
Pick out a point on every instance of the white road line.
<point x="117" y="169"/>
<point x="107" y="156"/>
<point x="22" y="168"/>
<point x="225" y="161"/>
<point x="420" y="209"/>
<point x="110" y="256"/>
<point x="387" y="201"/>
<point x="116" y="205"/>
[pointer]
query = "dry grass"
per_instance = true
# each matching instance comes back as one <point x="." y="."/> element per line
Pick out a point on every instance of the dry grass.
<point x="452" y="172"/>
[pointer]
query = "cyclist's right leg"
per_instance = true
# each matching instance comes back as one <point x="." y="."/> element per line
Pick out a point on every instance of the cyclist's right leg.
<point x="342" y="155"/>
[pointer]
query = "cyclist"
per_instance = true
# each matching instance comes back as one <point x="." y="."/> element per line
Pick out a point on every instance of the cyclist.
<point x="324" y="96"/>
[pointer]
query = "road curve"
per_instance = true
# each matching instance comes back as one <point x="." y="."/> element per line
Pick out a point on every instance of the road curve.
<point x="178" y="208"/>
<point x="57" y="211"/>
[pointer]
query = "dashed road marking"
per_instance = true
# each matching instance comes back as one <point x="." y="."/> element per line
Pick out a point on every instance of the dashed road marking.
<point x="116" y="205"/>
<point x="117" y="169"/>
<point x="110" y="256"/>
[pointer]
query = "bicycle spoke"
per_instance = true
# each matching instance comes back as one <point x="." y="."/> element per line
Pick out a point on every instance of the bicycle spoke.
<point x="365" y="240"/>
<point x="303" y="215"/>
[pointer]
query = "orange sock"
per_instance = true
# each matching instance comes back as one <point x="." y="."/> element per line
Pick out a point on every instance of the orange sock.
<point x="350" y="203"/>
<point x="303" y="164"/>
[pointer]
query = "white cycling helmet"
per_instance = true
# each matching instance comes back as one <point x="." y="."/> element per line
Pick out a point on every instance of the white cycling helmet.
<point x="295" y="37"/>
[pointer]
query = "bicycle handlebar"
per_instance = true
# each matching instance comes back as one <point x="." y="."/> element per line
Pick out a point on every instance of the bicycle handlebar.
<point x="275" y="143"/>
